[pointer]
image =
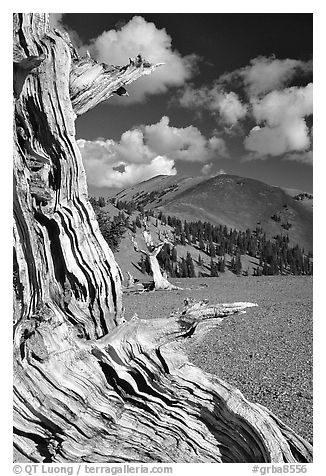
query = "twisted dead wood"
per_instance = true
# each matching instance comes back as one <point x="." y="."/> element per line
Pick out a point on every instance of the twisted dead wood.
<point x="152" y="250"/>
<point x="87" y="385"/>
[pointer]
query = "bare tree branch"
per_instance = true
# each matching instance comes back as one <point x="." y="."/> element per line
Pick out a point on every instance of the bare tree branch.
<point x="92" y="82"/>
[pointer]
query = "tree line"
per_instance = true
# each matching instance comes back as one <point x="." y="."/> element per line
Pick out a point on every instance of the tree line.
<point x="112" y="228"/>
<point x="275" y="256"/>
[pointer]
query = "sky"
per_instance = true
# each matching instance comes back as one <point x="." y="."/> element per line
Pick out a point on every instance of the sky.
<point x="234" y="96"/>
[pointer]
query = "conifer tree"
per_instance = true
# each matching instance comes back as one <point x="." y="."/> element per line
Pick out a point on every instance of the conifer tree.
<point x="221" y="265"/>
<point x="101" y="202"/>
<point x="174" y="255"/>
<point x="211" y="250"/>
<point x="183" y="270"/>
<point x="237" y="265"/>
<point x="133" y="227"/>
<point x="201" y="245"/>
<point x="214" y="269"/>
<point x="142" y="265"/>
<point x="190" y="266"/>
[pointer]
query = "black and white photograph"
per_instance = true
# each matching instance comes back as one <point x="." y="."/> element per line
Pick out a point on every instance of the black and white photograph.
<point x="162" y="241"/>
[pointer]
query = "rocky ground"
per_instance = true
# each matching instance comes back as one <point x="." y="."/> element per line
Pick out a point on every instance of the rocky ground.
<point x="266" y="353"/>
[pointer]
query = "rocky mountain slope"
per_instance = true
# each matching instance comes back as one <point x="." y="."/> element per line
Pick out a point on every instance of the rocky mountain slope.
<point x="230" y="200"/>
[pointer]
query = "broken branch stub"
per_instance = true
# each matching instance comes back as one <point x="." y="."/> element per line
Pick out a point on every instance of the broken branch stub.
<point x="92" y="82"/>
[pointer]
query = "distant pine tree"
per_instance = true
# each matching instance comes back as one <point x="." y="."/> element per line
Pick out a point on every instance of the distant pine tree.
<point x="133" y="227"/>
<point x="101" y="202"/>
<point x="142" y="265"/>
<point x="237" y="265"/>
<point x="257" y="271"/>
<point x="174" y="255"/>
<point x="183" y="270"/>
<point x="201" y="245"/>
<point x="112" y="230"/>
<point x="221" y="265"/>
<point x="138" y="222"/>
<point x="214" y="269"/>
<point x="211" y="250"/>
<point x="265" y="271"/>
<point x="93" y="201"/>
<point x="190" y="266"/>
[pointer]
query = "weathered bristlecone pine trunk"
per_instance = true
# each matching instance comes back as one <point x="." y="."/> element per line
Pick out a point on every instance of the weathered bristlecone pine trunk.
<point x="160" y="281"/>
<point x="89" y="387"/>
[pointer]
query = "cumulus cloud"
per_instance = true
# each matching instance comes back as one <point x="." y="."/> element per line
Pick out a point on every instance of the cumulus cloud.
<point x="278" y="140"/>
<point x="185" y="143"/>
<point x="265" y="74"/>
<point x="106" y="167"/>
<point x="206" y="169"/>
<point x="226" y="106"/>
<point x="218" y="144"/>
<point x="281" y="125"/>
<point x="221" y="172"/>
<point x="146" y="151"/>
<point x="230" y="108"/>
<point x="253" y="82"/>
<point x="303" y="157"/>
<point x="289" y="103"/>
<point x="155" y="45"/>
<point x="132" y="148"/>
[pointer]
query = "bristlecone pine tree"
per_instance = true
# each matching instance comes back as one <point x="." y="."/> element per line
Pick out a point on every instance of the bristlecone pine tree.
<point x="159" y="279"/>
<point x="89" y="387"/>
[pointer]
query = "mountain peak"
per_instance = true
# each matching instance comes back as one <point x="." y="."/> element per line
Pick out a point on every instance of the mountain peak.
<point x="231" y="200"/>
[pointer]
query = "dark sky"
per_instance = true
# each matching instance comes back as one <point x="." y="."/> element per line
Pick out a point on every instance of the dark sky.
<point x="224" y="43"/>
